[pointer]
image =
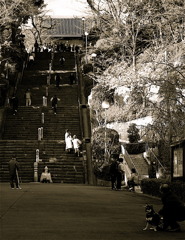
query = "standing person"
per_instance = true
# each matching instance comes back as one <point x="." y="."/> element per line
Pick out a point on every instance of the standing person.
<point x="152" y="170"/>
<point x="13" y="170"/>
<point x="173" y="209"/>
<point x="72" y="78"/>
<point x="15" y="104"/>
<point x="28" y="97"/>
<point x="69" y="143"/>
<point x="113" y="171"/>
<point x="76" y="145"/>
<point x="57" y="80"/>
<point x="62" y="61"/>
<point x="66" y="134"/>
<point x="120" y="174"/>
<point x="77" y="48"/>
<point x="54" y="102"/>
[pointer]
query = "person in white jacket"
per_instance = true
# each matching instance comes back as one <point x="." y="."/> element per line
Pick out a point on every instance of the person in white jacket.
<point x="76" y="145"/>
<point x="69" y="143"/>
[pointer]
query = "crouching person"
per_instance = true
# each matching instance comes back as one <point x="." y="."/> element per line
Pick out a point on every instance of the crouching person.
<point x="133" y="180"/>
<point x="173" y="210"/>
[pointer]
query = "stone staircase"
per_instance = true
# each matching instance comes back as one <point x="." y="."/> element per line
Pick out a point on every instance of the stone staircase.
<point x="21" y="130"/>
<point x="66" y="168"/>
<point x="137" y="161"/>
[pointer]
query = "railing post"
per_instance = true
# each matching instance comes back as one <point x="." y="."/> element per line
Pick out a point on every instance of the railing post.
<point x="39" y="134"/>
<point x="44" y="101"/>
<point x="42" y="118"/>
<point x="42" y="132"/>
<point x="46" y="91"/>
<point x="36" y="166"/>
<point x="35" y="171"/>
<point x="37" y="155"/>
<point x="48" y="79"/>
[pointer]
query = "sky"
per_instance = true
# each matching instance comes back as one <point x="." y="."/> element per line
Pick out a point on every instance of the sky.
<point x="66" y="8"/>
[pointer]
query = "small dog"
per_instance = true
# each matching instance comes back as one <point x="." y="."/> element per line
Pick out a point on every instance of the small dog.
<point x="152" y="218"/>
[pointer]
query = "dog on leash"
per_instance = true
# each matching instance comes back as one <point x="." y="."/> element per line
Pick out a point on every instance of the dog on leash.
<point x="152" y="218"/>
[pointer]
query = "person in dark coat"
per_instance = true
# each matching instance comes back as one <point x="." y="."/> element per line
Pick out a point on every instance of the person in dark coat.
<point x="13" y="166"/>
<point x="72" y="78"/>
<point x="15" y="103"/>
<point x="120" y="173"/>
<point x="54" y="102"/>
<point x="62" y="60"/>
<point x="173" y="209"/>
<point x="113" y="171"/>
<point x="57" y="80"/>
<point x="152" y="170"/>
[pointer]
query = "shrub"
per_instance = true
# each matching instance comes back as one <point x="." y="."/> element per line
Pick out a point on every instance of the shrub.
<point x="152" y="186"/>
<point x="102" y="173"/>
<point x="87" y="68"/>
<point x="133" y="133"/>
<point x="98" y="143"/>
<point x="135" y="148"/>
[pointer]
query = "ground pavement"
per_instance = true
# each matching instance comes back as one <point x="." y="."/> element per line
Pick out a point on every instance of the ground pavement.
<point x="75" y="212"/>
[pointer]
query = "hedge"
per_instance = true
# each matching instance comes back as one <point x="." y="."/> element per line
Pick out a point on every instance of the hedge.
<point x="152" y="187"/>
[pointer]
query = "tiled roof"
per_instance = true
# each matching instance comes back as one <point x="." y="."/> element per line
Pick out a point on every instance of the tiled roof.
<point x="66" y="27"/>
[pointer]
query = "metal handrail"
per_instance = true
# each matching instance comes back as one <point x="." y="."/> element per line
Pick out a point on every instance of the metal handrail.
<point x="157" y="159"/>
<point x="126" y="153"/>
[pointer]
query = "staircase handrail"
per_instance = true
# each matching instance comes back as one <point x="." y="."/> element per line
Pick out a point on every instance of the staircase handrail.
<point x="126" y="153"/>
<point x="157" y="159"/>
<point x="79" y="92"/>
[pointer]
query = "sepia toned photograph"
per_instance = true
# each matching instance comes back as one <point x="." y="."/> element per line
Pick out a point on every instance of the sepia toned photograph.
<point x="92" y="119"/>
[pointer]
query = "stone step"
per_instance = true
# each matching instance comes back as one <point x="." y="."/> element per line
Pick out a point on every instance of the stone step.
<point x="42" y="61"/>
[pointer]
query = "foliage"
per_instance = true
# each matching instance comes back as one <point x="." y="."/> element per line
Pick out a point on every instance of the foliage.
<point x="152" y="186"/>
<point x="102" y="173"/>
<point x="87" y="68"/>
<point x="13" y="15"/>
<point x="142" y="48"/>
<point x="135" y="148"/>
<point x="133" y="133"/>
<point x="136" y="25"/>
<point x="100" y="140"/>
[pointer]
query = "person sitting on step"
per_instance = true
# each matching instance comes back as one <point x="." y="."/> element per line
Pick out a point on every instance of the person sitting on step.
<point x="133" y="180"/>
<point x="46" y="176"/>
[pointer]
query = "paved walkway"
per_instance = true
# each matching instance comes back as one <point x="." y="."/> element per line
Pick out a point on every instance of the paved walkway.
<point x="75" y="212"/>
